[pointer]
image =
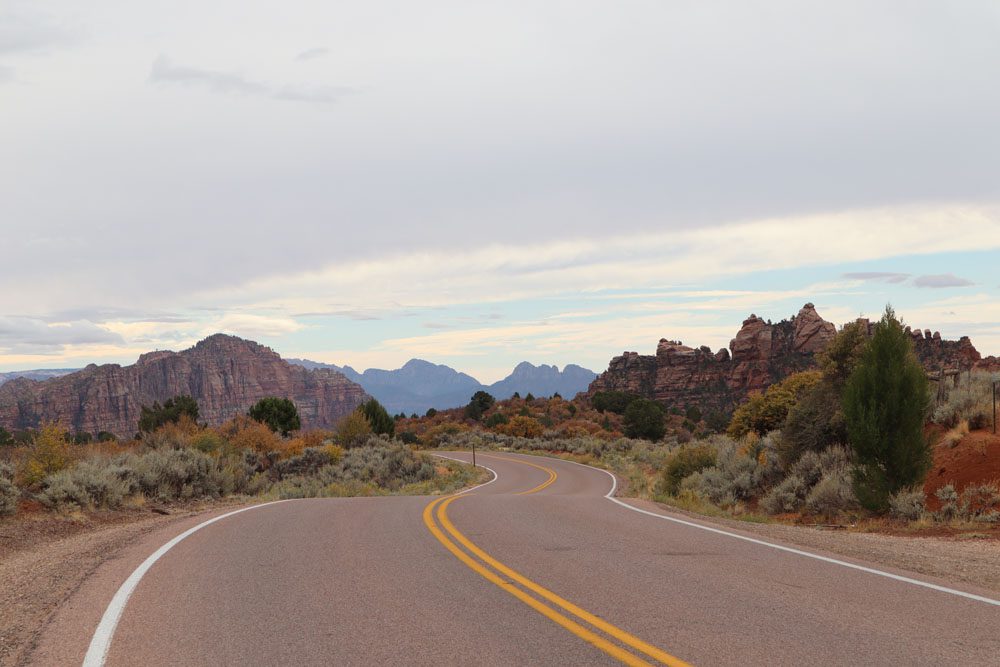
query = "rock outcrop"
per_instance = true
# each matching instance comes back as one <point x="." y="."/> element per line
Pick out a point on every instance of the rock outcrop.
<point x="225" y="374"/>
<point x="761" y="354"/>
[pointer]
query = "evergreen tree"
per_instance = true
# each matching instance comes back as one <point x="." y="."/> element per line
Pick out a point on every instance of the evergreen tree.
<point x="278" y="414"/>
<point x="378" y="417"/>
<point x="644" y="419"/>
<point x="885" y="405"/>
<point x="478" y="404"/>
<point x="152" y="418"/>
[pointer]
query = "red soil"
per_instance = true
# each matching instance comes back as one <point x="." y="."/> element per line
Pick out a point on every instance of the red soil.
<point x="975" y="459"/>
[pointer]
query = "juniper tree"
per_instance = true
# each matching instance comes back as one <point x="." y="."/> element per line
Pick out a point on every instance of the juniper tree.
<point x="885" y="405"/>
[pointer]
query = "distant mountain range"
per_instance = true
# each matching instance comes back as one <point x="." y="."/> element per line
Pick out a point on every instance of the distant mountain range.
<point x="420" y="385"/>
<point x="41" y="374"/>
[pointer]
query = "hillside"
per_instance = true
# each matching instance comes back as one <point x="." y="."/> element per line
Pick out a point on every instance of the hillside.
<point x="761" y="354"/>
<point x="420" y="385"/>
<point x="225" y="374"/>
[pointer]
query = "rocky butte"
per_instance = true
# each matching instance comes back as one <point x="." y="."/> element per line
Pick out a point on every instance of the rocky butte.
<point x="761" y="354"/>
<point x="225" y="374"/>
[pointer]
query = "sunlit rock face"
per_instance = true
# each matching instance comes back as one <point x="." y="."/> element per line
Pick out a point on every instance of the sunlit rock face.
<point x="225" y="374"/>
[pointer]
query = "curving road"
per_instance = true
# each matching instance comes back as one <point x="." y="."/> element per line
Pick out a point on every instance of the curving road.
<point x="536" y="567"/>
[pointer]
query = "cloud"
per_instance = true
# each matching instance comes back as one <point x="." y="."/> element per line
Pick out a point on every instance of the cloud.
<point x="941" y="280"/>
<point x="249" y="325"/>
<point x="22" y="335"/>
<point x="311" y="54"/>
<point x="164" y="71"/>
<point x="505" y="272"/>
<point x="878" y="276"/>
<point x="6" y="74"/>
<point x="31" y="33"/>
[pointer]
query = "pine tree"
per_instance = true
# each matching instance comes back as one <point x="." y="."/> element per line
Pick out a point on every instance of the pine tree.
<point x="885" y="405"/>
<point x="378" y="417"/>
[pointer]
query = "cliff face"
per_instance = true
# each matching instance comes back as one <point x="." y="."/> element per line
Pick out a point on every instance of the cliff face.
<point x="225" y="374"/>
<point x="760" y="355"/>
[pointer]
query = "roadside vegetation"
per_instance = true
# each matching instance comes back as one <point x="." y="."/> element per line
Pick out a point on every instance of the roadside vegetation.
<point x="259" y="455"/>
<point x="850" y="442"/>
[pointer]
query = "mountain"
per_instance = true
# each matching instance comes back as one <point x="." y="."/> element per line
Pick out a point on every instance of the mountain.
<point x="40" y="374"/>
<point x="760" y="355"/>
<point x="420" y="385"/>
<point x="225" y="374"/>
<point x="543" y="381"/>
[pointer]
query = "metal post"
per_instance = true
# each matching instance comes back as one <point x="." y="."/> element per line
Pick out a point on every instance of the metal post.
<point x="474" y="440"/>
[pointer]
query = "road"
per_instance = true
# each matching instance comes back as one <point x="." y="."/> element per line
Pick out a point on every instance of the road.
<point x="537" y="567"/>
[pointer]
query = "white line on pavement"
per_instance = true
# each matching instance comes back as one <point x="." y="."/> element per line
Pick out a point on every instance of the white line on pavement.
<point x="799" y="552"/>
<point x="105" y="632"/>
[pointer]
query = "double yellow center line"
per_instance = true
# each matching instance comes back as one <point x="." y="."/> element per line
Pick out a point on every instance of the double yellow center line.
<point x="437" y="521"/>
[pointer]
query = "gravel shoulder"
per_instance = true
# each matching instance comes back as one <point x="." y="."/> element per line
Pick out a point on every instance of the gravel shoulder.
<point x="952" y="558"/>
<point x="45" y="558"/>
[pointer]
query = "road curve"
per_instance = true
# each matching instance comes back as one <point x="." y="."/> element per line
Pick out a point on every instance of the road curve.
<point x="536" y="567"/>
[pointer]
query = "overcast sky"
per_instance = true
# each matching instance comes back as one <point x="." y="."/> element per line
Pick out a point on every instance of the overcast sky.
<point x="483" y="183"/>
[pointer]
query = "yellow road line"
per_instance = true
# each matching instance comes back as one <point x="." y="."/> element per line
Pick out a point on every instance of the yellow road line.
<point x="570" y="625"/>
<point x="619" y="634"/>
<point x="550" y="471"/>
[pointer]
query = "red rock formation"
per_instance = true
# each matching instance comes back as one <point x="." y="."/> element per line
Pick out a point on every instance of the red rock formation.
<point x="761" y="354"/>
<point x="225" y="374"/>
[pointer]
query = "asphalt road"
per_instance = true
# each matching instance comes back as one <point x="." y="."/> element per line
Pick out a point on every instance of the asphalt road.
<point x="534" y="568"/>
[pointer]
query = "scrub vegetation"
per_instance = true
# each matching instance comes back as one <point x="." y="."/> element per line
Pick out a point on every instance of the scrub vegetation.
<point x="179" y="460"/>
<point x="849" y="441"/>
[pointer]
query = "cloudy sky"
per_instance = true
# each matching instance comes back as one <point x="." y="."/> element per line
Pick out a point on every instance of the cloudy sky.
<point x="480" y="183"/>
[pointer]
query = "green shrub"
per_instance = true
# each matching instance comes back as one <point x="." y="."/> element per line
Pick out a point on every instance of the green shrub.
<point x="908" y="504"/>
<point x="9" y="493"/>
<point x="208" y="442"/>
<point x="152" y="418"/>
<point x="644" y="419"/>
<point x="309" y="462"/>
<point x="763" y="413"/>
<point x="496" y="419"/>
<point x="971" y="401"/>
<point x="787" y="496"/>
<point x="737" y="475"/>
<point x="949" y="503"/>
<point x="386" y="465"/>
<point x="408" y="438"/>
<point x="684" y="462"/>
<point x="981" y="502"/>
<point x="814" y="423"/>
<point x="279" y="414"/>
<point x="831" y="495"/>
<point x="612" y="401"/>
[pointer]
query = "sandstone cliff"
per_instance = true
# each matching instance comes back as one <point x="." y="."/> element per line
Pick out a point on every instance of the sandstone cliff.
<point x="225" y="374"/>
<point x="761" y="354"/>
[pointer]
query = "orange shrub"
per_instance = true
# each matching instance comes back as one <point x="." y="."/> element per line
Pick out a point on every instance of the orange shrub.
<point x="523" y="427"/>
<point x="244" y="433"/>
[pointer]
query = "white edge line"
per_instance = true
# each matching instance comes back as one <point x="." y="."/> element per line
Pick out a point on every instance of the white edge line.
<point x="478" y="486"/>
<point x="791" y="550"/>
<point x="97" y="653"/>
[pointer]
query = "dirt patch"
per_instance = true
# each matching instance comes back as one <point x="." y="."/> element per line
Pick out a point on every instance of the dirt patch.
<point x="974" y="460"/>
<point x="44" y="558"/>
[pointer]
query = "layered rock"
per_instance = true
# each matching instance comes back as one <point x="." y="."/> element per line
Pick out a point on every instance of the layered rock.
<point x="225" y="374"/>
<point x="761" y="354"/>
